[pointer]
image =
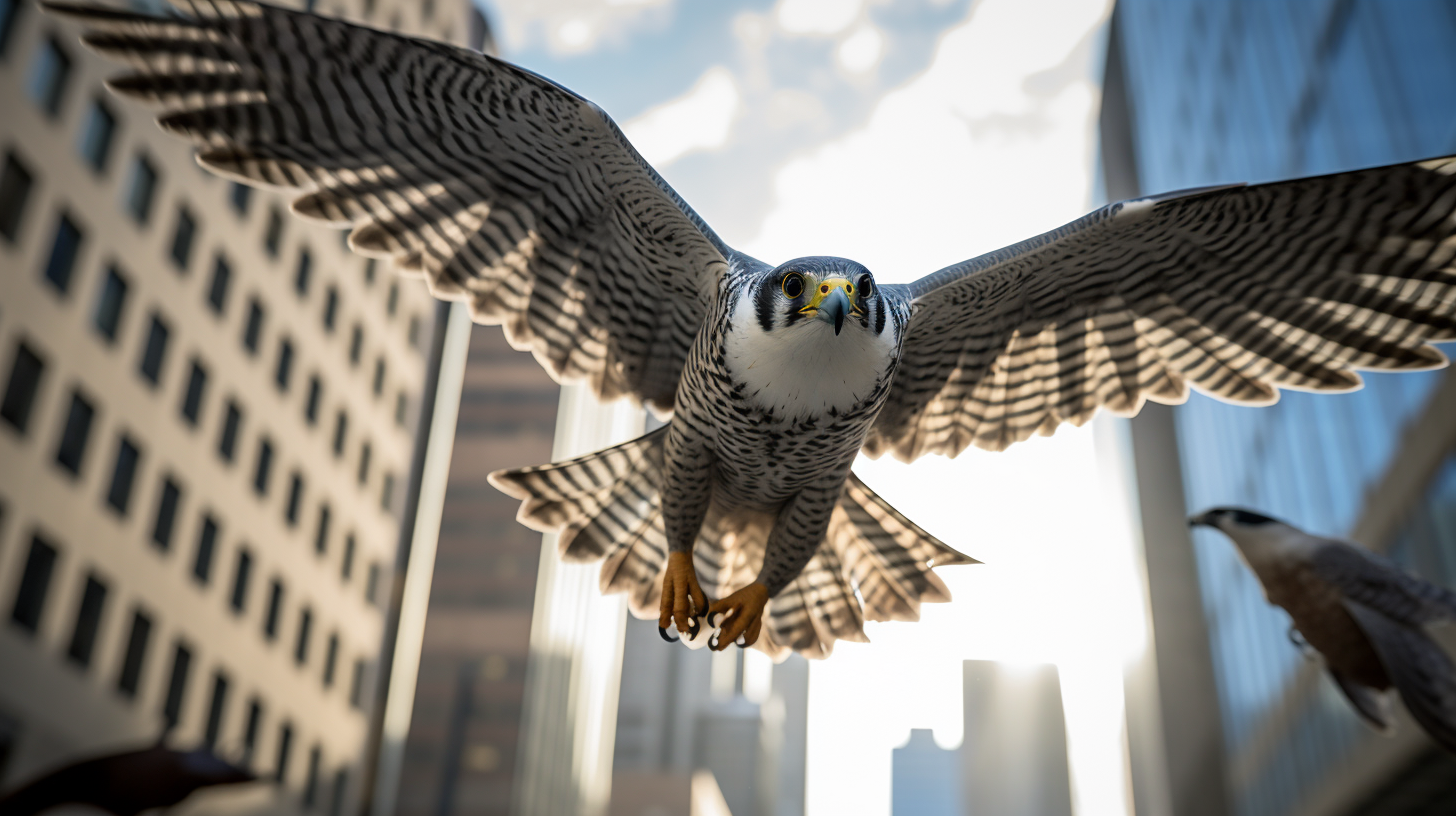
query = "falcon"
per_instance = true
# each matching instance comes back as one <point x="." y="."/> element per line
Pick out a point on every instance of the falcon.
<point x="514" y="195"/>
<point x="1363" y="614"/>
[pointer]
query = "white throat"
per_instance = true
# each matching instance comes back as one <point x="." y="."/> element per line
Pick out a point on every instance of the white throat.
<point x="1270" y="548"/>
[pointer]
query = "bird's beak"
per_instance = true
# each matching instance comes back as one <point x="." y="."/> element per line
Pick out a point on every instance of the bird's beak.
<point x="834" y="307"/>
<point x="1202" y="520"/>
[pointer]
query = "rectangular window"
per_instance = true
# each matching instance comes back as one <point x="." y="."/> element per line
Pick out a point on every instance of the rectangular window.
<point x="62" y="261"/>
<point x="391" y="303"/>
<point x="71" y="451"/>
<point x="331" y="308"/>
<point x="285" y="745"/>
<point x="365" y="453"/>
<point x="251" y="729"/>
<point x="315" y="395"/>
<point x="88" y="622"/>
<point x="378" y="376"/>
<point x="136" y="654"/>
<point x="321" y="536"/>
<point x="356" y="344"/>
<point x="50" y="73"/>
<point x="284" y="373"/>
<point x="96" y="135"/>
<point x="386" y="496"/>
<point x="341" y="430"/>
<point x="304" y="273"/>
<point x="242" y="575"/>
<point x="253" y="329"/>
<point x="331" y="659"/>
<point x="305" y="628"/>
<point x="295" y="499"/>
<point x="109" y="306"/>
<point x="341" y="789"/>
<point x="35" y="584"/>
<point x="184" y="233"/>
<point x="310" y="779"/>
<point x="239" y="196"/>
<point x="356" y="684"/>
<point x="177" y="685"/>
<point x="273" y="235"/>
<point x="401" y="409"/>
<point x="166" y="514"/>
<point x="118" y="496"/>
<point x="275" y="609"/>
<point x="371" y="584"/>
<point x="371" y="267"/>
<point x="346" y="569"/>
<point x="412" y="336"/>
<point x="217" y="289"/>
<point x="263" y="472"/>
<point x="206" y="548"/>
<point x="26" y="369"/>
<point x="141" y="189"/>
<point x="196" y="389"/>
<point x="215" y="710"/>
<point x="15" y="183"/>
<point x="227" y="441"/>
<point x="155" y="352"/>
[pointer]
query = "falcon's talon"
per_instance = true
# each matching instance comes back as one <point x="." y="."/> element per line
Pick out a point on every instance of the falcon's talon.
<point x="662" y="632"/>
<point x="741" y="614"/>
<point x="693" y="630"/>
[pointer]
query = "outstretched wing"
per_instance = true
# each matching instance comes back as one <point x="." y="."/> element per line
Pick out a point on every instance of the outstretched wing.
<point x="1237" y="291"/>
<point x="1382" y="586"/>
<point x="500" y="187"/>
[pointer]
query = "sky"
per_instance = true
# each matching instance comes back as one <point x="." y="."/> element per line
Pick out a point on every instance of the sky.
<point x="907" y="136"/>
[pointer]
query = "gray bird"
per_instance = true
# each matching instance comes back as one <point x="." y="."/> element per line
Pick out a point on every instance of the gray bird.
<point x="508" y="192"/>
<point x="1363" y="614"/>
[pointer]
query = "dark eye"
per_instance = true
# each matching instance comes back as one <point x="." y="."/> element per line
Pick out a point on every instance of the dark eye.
<point x="793" y="285"/>
<point x="866" y="288"/>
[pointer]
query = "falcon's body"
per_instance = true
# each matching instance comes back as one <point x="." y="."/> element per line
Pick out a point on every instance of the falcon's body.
<point x="509" y="192"/>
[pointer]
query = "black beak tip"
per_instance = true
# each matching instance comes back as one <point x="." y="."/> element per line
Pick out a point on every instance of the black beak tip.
<point x="838" y="322"/>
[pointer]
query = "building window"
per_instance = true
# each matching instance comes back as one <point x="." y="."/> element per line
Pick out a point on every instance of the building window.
<point x="304" y="273"/>
<point x="35" y="584"/>
<point x="155" y="351"/>
<point x="26" y="369"/>
<point x="275" y="609"/>
<point x="88" y="622"/>
<point x="166" y="514"/>
<point x="331" y="659"/>
<point x="295" y="499"/>
<point x="379" y="376"/>
<point x="50" y="73"/>
<point x="356" y="344"/>
<point x="239" y="196"/>
<point x="96" y="135"/>
<point x="305" y="628"/>
<point x="285" y="745"/>
<point x="356" y="684"/>
<point x="341" y="776"/>
<point x="72" y="449"/>
<point x="315" y="395"/>
<point x="196" y="389"/>
<point x="273" y="234"/>
<point x="341" y="430"/>
<point x="227" y="441"/>
<point x="177" y="685"/>
<point x="141" y="189"/>
<point x="346" y="568"/>
<point x="217" y="290"/>
<point x="109" y="306"/>
<point x="331" y="308"/>
<point x="250" y="731"/>
<point x="284" y="373"/>
<point x="310" y="779"/>
<point x="371" y="584"/>
<point x="412" y="335"/>
<point x="62" y="261"/>
<point x="206" y="547"/>
<point x="365" y="453"/>
<point x="253" y="329"/>
<point x="371" y="267"/>
<point x="118" y="496"/>
<point x="401" y="408"/>
<point x="130" y="677"/>
<point x="321" y="536"/>
<point x="215" y="710"/>
<point x="184" y="233"/>
<point x="386" y="496"/>
<point x="15" y="183"/>
<point x="242" y="575"/>
<point x="391" y="303"/>
<point x="264" y="470"/>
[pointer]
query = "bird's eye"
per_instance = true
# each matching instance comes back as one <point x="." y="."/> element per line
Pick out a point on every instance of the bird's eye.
<point x="866" y="288"/>
<point x="793" y="285"/>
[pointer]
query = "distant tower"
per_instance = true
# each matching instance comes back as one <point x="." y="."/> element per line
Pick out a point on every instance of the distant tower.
<point x="925" y="779"/>
<point x="1014" y="759"/>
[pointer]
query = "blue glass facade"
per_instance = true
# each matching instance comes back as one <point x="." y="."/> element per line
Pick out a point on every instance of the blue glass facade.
<point x="1250" y="90"/>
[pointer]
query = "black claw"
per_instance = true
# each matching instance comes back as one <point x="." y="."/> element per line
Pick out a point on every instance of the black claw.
<point x="713" y="642"/>
<point x="665" y="636"/>
<point x="693" y="630"/>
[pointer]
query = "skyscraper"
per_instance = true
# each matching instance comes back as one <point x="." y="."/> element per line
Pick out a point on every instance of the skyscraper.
<point x="1014" y="758"/>
<point x="208" y="427"/>
<point x="1202" y="93"/>
<point x="925" y="779"/>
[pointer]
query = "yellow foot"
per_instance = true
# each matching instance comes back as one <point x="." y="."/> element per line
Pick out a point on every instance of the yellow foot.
<point x="682" y="599"/>
<point x="739" y="614"/>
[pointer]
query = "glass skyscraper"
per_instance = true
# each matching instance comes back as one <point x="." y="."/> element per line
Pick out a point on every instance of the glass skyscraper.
<point x="1205" y="92"/>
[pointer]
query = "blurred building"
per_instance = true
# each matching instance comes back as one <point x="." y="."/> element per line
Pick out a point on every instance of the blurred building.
<point x="1230" y="717"/>
<point x="925" y="779"/>
<point x="208" y="432"/>
<point x="1014" y="758"/>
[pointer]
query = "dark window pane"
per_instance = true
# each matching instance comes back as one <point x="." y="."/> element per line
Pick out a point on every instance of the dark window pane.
<point x="331" y="659"/>
<point x="413" y="334"/>
<point x="356" y="685"/>
<point x="62" y="261"/>
<point x="253" y="329"/>
<point x="215" y="710"/>
<point x="378" y="376"/>
<point x="401" y="409"/>
<point x="371" y="583"/>
<point x="305" y="628"/>
<point x="227" y="441"/>
<point x="356" y="344"/>
<point x="50" y="72"/>
<point x="365" y="453"/>
<point x="88" y="621"/>
<point x="96" y="135"/>
<point x="341" y="789"/>
<point x="346" y="569"/>
<point x="177" y="685"/>
<point x="217" y="290"/>
<point x="285" y="745"/>
<point x="26" y="370"/>
<point x="136" y="654"/>
<point x="123" y="474"/>
<point x="371" y="267"/>
<point x="304" y="273"/>
<point x="331" y="308"/>
<point x="295" y="499"/>
<point x="72" y="450"/>
<point x="250" y="731"/>
<point x="184" y="233"/>
<point x="275" y="609"/>
<point x="284" y="372"/>
<point x="35" y="584"/>
<point x="321" y="537"/>
<point x="155" y="352"/>
<point x="240" y="195"/>
<point x="15" y="183"/>
<point x="109" y="305"/>
<point x="196" y="389"/>
<point x="141" y="189"/>
<point x="242" y="574"/>
<point x="264" y="470"/>
<point x="273" y="234"/>
<point x="310" y="780"/>
<point x="391" y="303"/>
<point x="386" y="496"/>
<point x="315" y="394"/>
<point x="206" y="547"/>
<point x="166" y="514"/>
<point x="341" y="430"/>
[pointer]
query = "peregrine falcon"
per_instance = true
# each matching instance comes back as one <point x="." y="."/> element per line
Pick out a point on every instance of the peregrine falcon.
<point x="1365" y="615"/>
<point x="509" y="192"/>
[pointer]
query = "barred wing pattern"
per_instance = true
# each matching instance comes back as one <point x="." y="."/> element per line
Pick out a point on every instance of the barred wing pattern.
<point x="1382" y="585"/>
<point x="501" y="188"/>
<point x="1238" y="291"/>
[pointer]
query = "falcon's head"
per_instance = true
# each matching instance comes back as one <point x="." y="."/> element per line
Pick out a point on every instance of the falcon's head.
<point x="836" y="291"/>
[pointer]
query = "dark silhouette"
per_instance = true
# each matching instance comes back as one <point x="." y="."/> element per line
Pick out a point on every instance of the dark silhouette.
<point x="126" y="783"/>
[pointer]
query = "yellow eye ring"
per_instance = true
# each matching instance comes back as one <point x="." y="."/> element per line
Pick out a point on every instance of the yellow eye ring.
<point x="793" y="285"/>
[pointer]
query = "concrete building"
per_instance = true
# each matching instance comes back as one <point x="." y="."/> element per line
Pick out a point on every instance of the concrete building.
<point x="925" y="779"/>
<point x="1014" y="758"/>
<point x="208" y="428"/>
<point x="1228" y="717"/>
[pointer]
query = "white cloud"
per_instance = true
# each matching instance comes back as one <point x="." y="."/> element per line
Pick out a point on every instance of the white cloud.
<point x="700" y="119"/>
<point x="860" y="52"/>
<point x="817" y="17"/>
<point x="567" y="26"/>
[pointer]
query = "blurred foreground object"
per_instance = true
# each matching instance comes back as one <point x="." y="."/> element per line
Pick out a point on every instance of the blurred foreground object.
<point x="127" y="783"/>
<point x="1363" y="614"/>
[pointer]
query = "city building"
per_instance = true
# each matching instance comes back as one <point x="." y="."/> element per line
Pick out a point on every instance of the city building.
<point x="1014" y="758"/>
<point x="1229" y="716"/>
<point x="925" y="779"/>
<point x="208" y="433"/>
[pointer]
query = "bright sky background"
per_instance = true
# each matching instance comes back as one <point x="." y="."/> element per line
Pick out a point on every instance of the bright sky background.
<point x="908" y="136"/>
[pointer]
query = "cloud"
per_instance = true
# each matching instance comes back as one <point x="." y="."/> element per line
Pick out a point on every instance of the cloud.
<point x="700" y="119"/>
<point x="567" y="26"/>
<point x="860" y="52"/>
<point x="817" y="17"/>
